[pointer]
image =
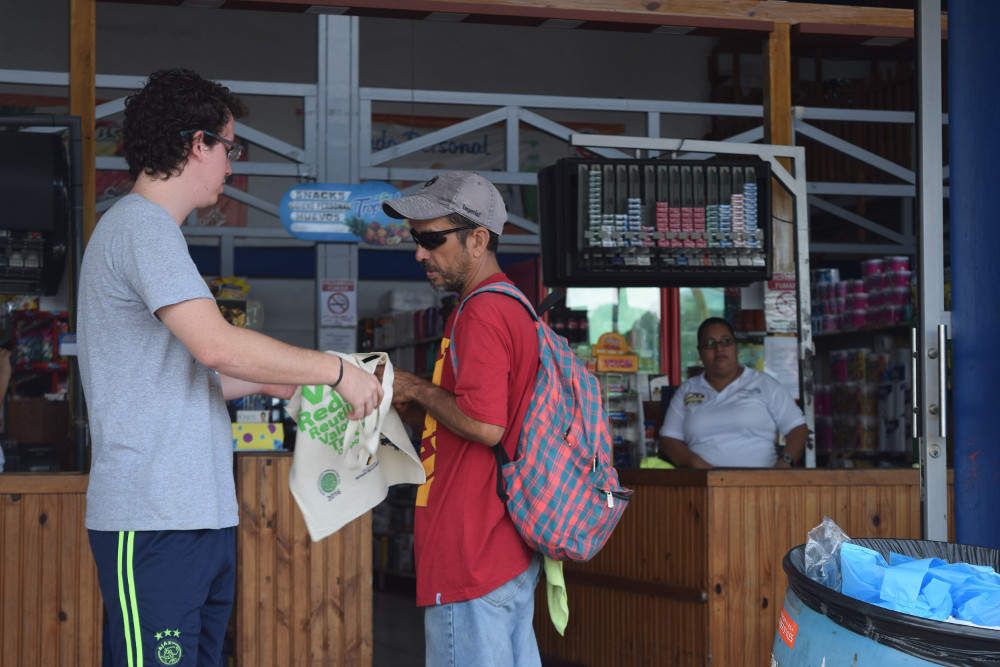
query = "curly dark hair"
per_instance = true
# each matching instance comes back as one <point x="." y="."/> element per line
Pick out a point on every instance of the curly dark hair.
<point x="172" y="101"/>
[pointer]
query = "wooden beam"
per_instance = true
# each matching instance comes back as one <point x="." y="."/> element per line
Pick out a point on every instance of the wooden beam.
<point x="778" y="131"/>
<point x="17" y="483"/>
<point x="735" y="14"/>
<point x="83" y="96"/>
<point x="83" y="104"/>
<point x="778" y="87"/>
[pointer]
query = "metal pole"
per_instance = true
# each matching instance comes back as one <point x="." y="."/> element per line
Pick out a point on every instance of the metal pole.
<point x="930" y="277"/>
<point x="973" y="52"/>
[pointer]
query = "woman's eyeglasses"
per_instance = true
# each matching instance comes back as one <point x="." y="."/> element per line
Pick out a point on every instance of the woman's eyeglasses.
<point x="712" y="344"/>
<point x="234" y="151"/>
<point x="432" y="240"/>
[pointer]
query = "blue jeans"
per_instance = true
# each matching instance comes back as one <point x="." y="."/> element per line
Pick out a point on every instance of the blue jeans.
<point x="494" y="630"/>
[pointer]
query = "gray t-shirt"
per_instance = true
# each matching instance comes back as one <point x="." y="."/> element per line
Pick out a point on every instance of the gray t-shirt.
<point x="162" y="441"/>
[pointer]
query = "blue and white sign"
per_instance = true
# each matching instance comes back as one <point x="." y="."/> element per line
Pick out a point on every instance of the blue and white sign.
<point x="345" y="212"/>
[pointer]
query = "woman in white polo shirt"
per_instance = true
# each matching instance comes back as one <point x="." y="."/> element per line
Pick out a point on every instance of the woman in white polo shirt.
<point x="729" y="415"/>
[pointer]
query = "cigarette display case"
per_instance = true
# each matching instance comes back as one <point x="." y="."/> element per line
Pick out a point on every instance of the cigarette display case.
<point x="649" y="222"/>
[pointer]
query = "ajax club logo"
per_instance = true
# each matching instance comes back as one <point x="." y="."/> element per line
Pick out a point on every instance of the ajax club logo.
<point x="168" y="649"/>
<point x="329" y="484"/>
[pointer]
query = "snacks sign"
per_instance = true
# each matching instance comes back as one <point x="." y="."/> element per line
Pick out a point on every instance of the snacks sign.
<point x="345" y="212"/>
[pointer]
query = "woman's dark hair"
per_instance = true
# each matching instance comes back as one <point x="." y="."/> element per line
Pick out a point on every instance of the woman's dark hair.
<point x="459" y="220"/>
<point x="714" y="320"/>
<point x="172" y="101"/>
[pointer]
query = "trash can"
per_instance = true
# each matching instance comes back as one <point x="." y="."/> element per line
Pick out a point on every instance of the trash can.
<point x="820" y="626"/>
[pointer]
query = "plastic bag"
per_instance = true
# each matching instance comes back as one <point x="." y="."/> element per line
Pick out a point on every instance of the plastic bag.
<point x="926" y="587"/>
<point x="822" y="557"/>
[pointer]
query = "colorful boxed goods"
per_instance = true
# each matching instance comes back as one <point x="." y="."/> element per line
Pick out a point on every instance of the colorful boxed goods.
<point x="864" y="406"/>
<point x="882" y="297"/>
<point x="248" y="436"/>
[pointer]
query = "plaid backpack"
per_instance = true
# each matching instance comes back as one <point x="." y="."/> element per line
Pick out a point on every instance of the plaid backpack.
<point x="561" y="490"/>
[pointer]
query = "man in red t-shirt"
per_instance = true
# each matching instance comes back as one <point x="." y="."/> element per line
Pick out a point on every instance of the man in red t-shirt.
<point x="475" y="575"/>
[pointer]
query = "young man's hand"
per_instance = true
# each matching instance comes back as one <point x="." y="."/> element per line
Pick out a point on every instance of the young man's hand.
<point x="361" y="389"/>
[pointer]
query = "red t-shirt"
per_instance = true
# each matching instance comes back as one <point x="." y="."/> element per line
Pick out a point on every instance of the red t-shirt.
<point x="464" y="541"/>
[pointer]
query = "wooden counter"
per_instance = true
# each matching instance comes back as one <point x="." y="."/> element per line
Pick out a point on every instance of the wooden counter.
<point x="52" y="611"/>
<point x="298" y="603"/>
<point x="692" y="574"/>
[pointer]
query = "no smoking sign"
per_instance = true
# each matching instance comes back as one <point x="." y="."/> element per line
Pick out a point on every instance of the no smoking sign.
<point x="337" y="303"/>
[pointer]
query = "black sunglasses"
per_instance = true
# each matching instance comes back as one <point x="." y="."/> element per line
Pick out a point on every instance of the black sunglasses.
<point x="432" y="240"/>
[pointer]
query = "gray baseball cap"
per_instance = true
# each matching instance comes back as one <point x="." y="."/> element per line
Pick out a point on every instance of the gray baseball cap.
<point x="464" y="192"/>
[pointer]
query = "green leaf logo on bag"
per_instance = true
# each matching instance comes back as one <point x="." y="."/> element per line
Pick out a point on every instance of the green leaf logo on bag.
<point x="329" y="483"/>
<point x="325" y="421"/>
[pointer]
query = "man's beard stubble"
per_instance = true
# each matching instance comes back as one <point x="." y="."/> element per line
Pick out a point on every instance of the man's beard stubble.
<point x="448" y="281"/>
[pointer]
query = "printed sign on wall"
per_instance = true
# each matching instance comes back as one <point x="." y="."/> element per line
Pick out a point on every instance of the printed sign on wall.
<point x="781" y="307"/>
<point x="346" y="212"/>
<point x="338" y="303"/>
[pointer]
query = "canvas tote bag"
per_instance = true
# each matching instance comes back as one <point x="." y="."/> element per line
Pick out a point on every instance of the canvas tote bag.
<point x="342" y="468"/>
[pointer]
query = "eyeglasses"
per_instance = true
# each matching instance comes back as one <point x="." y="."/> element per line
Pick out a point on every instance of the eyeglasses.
<point x="234" y="151"/>
<point x="712" y="344"/>
<point x="431" y="240"/>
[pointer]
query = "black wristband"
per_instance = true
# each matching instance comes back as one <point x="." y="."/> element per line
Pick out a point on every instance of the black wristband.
<point x="341" y="376"/>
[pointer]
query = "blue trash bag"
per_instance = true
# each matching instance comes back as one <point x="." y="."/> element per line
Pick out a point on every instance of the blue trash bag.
<point x="937" y="642"/>
<point x="927" y="587"/>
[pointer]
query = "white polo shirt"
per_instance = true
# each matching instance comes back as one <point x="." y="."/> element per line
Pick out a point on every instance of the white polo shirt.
<point x="734" y="428"/>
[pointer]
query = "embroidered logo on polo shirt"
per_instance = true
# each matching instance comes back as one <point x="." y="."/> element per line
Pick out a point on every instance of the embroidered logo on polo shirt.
<point x="693" y="398"/>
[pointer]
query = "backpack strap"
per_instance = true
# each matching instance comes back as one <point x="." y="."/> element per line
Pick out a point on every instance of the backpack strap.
<point x="499" y="288"/>
<point x="502" y="460"/>
<point x="514" y="293"/>
<point x="554" y="297"/>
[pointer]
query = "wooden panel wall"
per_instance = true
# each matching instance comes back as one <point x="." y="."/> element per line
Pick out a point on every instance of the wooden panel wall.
<point x="722" y="534"/>
<point x="298" y="603"/>
<point x="756" y="520"/>
<point x="643" y="595"/>
<point x="51" y="611"/>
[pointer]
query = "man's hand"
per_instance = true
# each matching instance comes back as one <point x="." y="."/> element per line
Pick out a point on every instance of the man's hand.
<point x="361" y="389"/>
<point x="406" y="386"/>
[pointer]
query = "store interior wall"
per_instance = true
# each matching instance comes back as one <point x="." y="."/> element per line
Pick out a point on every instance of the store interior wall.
<point x="395" y="53"/>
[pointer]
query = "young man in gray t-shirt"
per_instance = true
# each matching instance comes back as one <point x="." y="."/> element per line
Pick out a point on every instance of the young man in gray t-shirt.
<point x="158" y="361"/>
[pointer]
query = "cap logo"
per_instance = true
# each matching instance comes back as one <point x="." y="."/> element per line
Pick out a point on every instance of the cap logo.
<point x="472" y="211"/>
<point x="430" y="182"/>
